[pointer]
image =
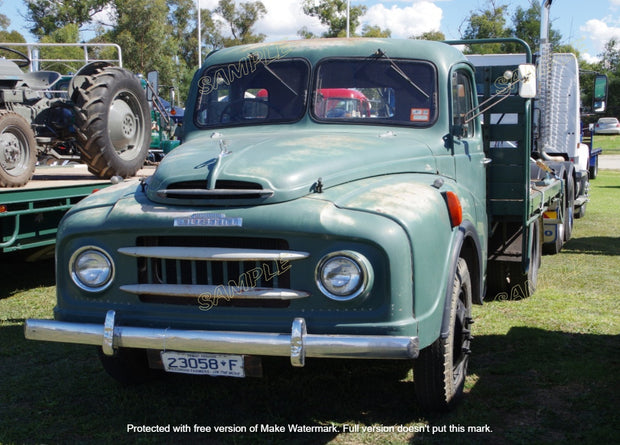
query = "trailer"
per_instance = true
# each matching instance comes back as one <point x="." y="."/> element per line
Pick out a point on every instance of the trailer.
<point x="29" y="216"/>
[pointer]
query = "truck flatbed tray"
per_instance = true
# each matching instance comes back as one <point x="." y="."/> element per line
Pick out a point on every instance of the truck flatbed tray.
<point x="66" y="176"/>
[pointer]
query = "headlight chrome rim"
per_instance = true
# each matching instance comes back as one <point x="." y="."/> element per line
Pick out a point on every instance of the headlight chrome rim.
<point x="78" y="278"/>
<point x="359" y="261"/>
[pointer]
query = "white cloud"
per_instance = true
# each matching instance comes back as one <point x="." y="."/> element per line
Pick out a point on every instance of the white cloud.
<point x="599" y="32"/>
<point x="405" y="21"/>
<point x="284" y="18"/>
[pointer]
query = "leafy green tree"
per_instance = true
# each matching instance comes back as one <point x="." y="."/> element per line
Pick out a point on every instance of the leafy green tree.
<point x="437" y="36"/>
<point x="526" y="26"/>
<point x="12" y="37"/>
<point x="240" y="19"/>
<point x="4" y="21"/>
<point x="610" y="57"/>
<point x="610" y="65"/>
<point x="46" y="16"/>
<point x="486" y="24"/>
<point x="143" y="32"/>
<point x="375" y="31"/>
<point x="333" y="14"/>
<point x="67" y="34"/>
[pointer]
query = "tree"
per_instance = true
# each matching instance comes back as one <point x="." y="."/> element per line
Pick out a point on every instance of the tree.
<point x="526" y="26"/>
<point x="610" y="57"/>
<point x="375" y="31"/>
<point x="491" y="23"/>
<point x="240" y="19"/>
<point x="47" y="16"/>
<point x="610" y="65"/>
<point x="4" y="21"/>
<point x="67" y="34"/>
<point x="437" y="36"/>
<point x="486" y="24"/>
<point x="333" y="14"/>
<point x="143" y="32"/>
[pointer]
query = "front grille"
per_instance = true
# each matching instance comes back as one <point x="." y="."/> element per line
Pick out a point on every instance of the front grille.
<point x="225" y="271"/>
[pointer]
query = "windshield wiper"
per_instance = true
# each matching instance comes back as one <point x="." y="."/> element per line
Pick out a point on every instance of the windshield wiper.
<point x="401" y="73"/>
<point x="278" y="78"/>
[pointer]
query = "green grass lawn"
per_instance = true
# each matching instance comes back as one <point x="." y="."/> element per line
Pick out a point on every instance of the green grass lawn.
<point x="544" y="370"/>
<point x="610" y="143"/>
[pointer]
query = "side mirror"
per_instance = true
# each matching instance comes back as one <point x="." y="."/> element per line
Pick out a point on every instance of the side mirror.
<point x="527" y="81"/>
<point x="599" y="104"/>
<point x="152" y="78"/>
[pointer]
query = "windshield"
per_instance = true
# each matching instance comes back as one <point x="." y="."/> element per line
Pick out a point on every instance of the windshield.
<point x="375" y="90"/>
<point x="252" y="91"/>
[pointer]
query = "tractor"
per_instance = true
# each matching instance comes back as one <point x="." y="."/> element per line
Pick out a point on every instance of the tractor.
<point x="99" y="115"/>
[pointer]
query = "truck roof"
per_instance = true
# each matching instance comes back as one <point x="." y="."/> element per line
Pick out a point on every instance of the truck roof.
<point x="440" y="54"/>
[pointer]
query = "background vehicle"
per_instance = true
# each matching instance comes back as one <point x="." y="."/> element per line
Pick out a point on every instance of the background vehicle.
<point x="341" y="102"/>
<point x="99" y="114"/>
<point x="607" y="125"/>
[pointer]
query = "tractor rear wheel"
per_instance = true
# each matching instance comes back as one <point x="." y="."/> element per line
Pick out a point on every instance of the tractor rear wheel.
<point x="113" y="122"/>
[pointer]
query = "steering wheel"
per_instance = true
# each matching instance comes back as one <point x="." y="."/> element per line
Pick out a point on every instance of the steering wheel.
<point x="226" y="110"/>
<point x="20" y="63"/>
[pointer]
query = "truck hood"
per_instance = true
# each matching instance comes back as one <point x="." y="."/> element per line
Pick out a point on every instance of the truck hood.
<point x="245" y="167"/>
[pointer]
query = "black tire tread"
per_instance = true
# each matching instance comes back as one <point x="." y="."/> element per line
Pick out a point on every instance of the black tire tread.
<point x="91" y="98"/>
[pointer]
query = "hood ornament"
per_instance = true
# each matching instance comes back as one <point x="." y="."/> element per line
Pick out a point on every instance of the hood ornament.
<point x="214" y="171"/>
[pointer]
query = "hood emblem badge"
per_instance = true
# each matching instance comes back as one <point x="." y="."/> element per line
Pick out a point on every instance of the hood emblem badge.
<point x="208" y="220"/>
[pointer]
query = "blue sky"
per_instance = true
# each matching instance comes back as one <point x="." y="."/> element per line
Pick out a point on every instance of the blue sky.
<point x="586" y="28"/>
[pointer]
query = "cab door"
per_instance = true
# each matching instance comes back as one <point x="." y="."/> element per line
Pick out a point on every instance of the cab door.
<point x="467" y="145"/>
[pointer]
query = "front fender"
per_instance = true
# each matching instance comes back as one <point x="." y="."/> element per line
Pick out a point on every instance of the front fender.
<point x="419" y="208"/>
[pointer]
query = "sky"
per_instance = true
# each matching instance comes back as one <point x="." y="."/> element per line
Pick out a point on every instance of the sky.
<point x="586" y="28"/>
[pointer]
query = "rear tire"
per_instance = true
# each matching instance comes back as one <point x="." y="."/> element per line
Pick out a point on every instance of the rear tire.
<point x="523" y="285"/>
<point x="113" y="122"/>
<point x="440" y="370"/>
<point x="18" y="150"/>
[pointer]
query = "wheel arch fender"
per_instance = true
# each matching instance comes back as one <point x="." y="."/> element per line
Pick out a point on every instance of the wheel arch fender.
<point x="466" y="245"/>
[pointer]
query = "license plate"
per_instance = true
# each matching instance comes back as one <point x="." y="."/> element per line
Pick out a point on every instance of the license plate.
<point x="203" y="363"/>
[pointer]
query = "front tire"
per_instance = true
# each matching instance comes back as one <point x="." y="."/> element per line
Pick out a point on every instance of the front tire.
<point x="127" y="366"/>
<point x="440" y="370"/>
<point x="113" y="122"/>
<point x="569" y="214"/>
<point x="18" y="150"/>
<point x="594" y="169"/>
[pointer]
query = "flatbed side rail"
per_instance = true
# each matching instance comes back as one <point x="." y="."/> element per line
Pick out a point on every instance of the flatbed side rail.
<point x="30" y="218"/>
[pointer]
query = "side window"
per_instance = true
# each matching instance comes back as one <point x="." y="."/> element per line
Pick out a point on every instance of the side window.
<point x="462" y="103"/>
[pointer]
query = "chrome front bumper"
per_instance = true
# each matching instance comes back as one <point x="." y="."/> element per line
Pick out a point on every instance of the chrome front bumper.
<point x="297" y="345"/>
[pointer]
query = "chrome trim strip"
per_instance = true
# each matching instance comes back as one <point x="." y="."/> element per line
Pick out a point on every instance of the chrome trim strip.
<point x="213" y="253"/>
<point x="212" y="291"/>
<point x="108" y="333"/>
<point x="298" y="332"/>
<point x="263" y="193"/>
<point x="250" y="343"/>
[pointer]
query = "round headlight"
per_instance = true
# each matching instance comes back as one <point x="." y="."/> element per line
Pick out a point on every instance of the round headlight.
<point x="91" y="269"/>
<point x="343" y="276"/>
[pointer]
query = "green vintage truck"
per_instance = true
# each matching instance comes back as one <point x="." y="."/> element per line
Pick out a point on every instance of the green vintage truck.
<point x="362" y="228"/>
